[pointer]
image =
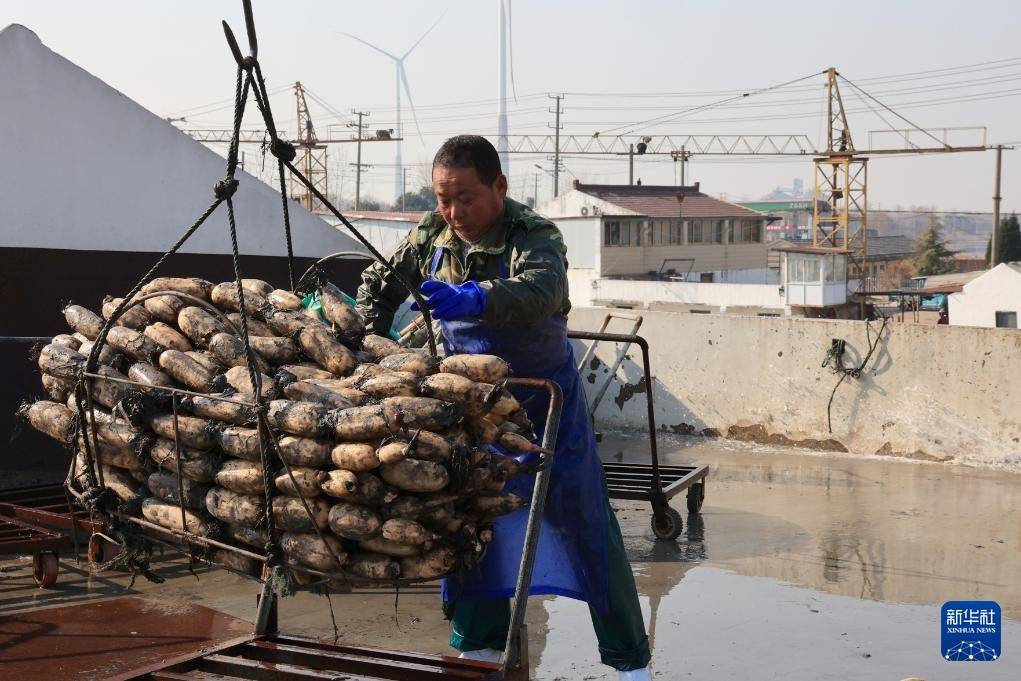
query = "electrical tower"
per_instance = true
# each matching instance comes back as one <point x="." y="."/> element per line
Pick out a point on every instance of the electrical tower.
<point x="311" y="158"/>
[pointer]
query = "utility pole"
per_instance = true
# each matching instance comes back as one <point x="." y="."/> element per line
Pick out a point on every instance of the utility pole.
<point x="631" y="164"/>
<point x="535" y="192"/>
<point x="556" y="146"/>
<point x="683" y="158"/>
<point x="358" y="164"/>
<point x="404" y="188"/>
<point x="994" y="250"/>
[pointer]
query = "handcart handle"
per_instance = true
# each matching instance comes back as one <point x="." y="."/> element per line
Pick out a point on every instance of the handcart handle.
<point x="539" y="494"/>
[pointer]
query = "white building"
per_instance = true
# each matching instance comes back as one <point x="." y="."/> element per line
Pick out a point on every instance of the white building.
<point x="991" y="300"/>
<point x="642" y="245"/>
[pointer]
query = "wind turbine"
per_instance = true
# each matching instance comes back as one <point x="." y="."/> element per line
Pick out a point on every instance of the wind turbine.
<point x="504" y="63"/>
<point x="401" y="80"/>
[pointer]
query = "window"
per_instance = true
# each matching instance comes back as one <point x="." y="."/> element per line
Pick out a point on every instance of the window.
<point x="804" y="269"/>
<point x="793" y="268"/>
<point x="642" y="233"/>
<point x="658" y="232"/>
<point x="717" y="234"/>
<point x="696" y="234"/>
<point x="625" y="234"/>
<point x="611" y="233"/>
<point x="746" y="231"/>
<point x="812" y="273"/>
<point x="1006" y="320"/>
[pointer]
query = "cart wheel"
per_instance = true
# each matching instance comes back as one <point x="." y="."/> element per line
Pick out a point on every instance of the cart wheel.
<point x="667" y="524"/>
<point x="696" y="494"/>
<point x="44" y="568"/>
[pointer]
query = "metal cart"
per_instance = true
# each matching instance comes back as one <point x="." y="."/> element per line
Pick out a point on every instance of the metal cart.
<point x="40" y="520"/>
<point x="267" y="654"/>
<point x="651" y="482"/>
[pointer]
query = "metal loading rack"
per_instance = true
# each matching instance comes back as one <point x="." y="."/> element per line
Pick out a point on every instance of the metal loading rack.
<point x="268" y="655"/>
<point x="40" y="520"/>
<point x="650" y="482"/>
<point x="290" y="658"/>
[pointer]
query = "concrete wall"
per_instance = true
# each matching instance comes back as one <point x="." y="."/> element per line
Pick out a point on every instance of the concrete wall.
<point x="930" y="392"/>
<point x="87" y="168"/>
<point x="717" y="295"/>
<point x="998" y="290"/>
<point x="580" y="283"/>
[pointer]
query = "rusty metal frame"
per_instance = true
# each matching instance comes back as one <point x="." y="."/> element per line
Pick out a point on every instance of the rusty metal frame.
<point x="680" y="477"/>
<point x="618" y="360"/>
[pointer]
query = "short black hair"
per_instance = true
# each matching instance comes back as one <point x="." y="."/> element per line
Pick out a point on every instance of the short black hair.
<point x="470" y="151"/>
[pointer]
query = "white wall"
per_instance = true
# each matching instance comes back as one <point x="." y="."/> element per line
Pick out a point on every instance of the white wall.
<point x="928" y="391"/>
<point x="581" y="235"/>
<point x="716" y="295"/>
<point x="580" y="285"/>
<point x="999" y="289"/>
<point x="573" y="203"/>
<point x="86" y="168"/>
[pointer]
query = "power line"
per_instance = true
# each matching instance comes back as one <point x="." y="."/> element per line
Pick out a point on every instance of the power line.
<point x="987" y="66"/>
<point x="938" y="141"/>
<point x="668" y="118"/>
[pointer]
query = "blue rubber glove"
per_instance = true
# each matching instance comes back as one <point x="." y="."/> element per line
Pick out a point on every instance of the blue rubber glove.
<point x="453" y="301"/>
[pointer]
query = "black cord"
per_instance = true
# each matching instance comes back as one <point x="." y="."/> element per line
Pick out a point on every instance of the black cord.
<point x="835" y="355"/>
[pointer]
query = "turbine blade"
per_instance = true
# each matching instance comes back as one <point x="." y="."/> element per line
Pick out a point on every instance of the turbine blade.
<point x="510" y="49"/>
<point x="427" y="32"/>
<point x="368" y="44"/>
<point x="411" y="103"/>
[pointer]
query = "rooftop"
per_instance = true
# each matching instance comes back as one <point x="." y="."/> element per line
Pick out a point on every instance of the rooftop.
<point x="399" y="216"/>
<point x="891" y="245"/>
<point x="879" y="246"/>
<point x="660" y="201"/>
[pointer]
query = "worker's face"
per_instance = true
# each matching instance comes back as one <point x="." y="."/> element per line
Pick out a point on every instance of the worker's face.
<point x="468" y="205"/>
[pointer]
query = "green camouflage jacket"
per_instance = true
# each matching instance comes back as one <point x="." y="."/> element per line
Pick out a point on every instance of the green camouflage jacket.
<point x="531" y="247"/>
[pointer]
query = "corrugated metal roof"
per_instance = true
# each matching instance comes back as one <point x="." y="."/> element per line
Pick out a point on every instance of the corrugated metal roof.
<point x="659" y="201"/>
<point x="399" y="216"/>
<point x="809" y="248"/>
<point x="891" y="245"/>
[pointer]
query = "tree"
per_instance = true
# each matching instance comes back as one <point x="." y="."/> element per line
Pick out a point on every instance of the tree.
<point x="421" y="200"/>
<point x="1009" y="241"/>
<point x="933" y="255"/>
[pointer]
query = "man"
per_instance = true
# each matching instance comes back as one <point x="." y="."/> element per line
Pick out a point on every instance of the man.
<point x="494" y="274"/>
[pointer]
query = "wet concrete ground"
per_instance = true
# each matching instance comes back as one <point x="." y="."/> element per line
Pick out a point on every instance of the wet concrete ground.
<point x="801" y="566"/>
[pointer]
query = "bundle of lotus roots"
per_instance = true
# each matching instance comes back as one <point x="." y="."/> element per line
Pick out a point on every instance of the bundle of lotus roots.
<point x="387" y="475"/>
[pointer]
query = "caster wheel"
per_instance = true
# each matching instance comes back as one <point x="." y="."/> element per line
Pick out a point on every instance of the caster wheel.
<point x="101" y="550"/>
<point x="696" y="494"/>
<point x="667" y="524"/>
<point x="44" y="568"/>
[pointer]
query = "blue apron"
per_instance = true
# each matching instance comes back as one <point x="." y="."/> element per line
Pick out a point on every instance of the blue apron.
<point x="571" y="556"/>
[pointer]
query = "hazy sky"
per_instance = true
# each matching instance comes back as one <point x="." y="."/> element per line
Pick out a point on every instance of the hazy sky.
<point x="608" y="58"/>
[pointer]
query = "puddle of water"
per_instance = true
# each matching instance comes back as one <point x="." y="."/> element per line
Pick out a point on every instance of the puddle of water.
<point x="715" y="624"/>
<point x="883" y="530"/>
